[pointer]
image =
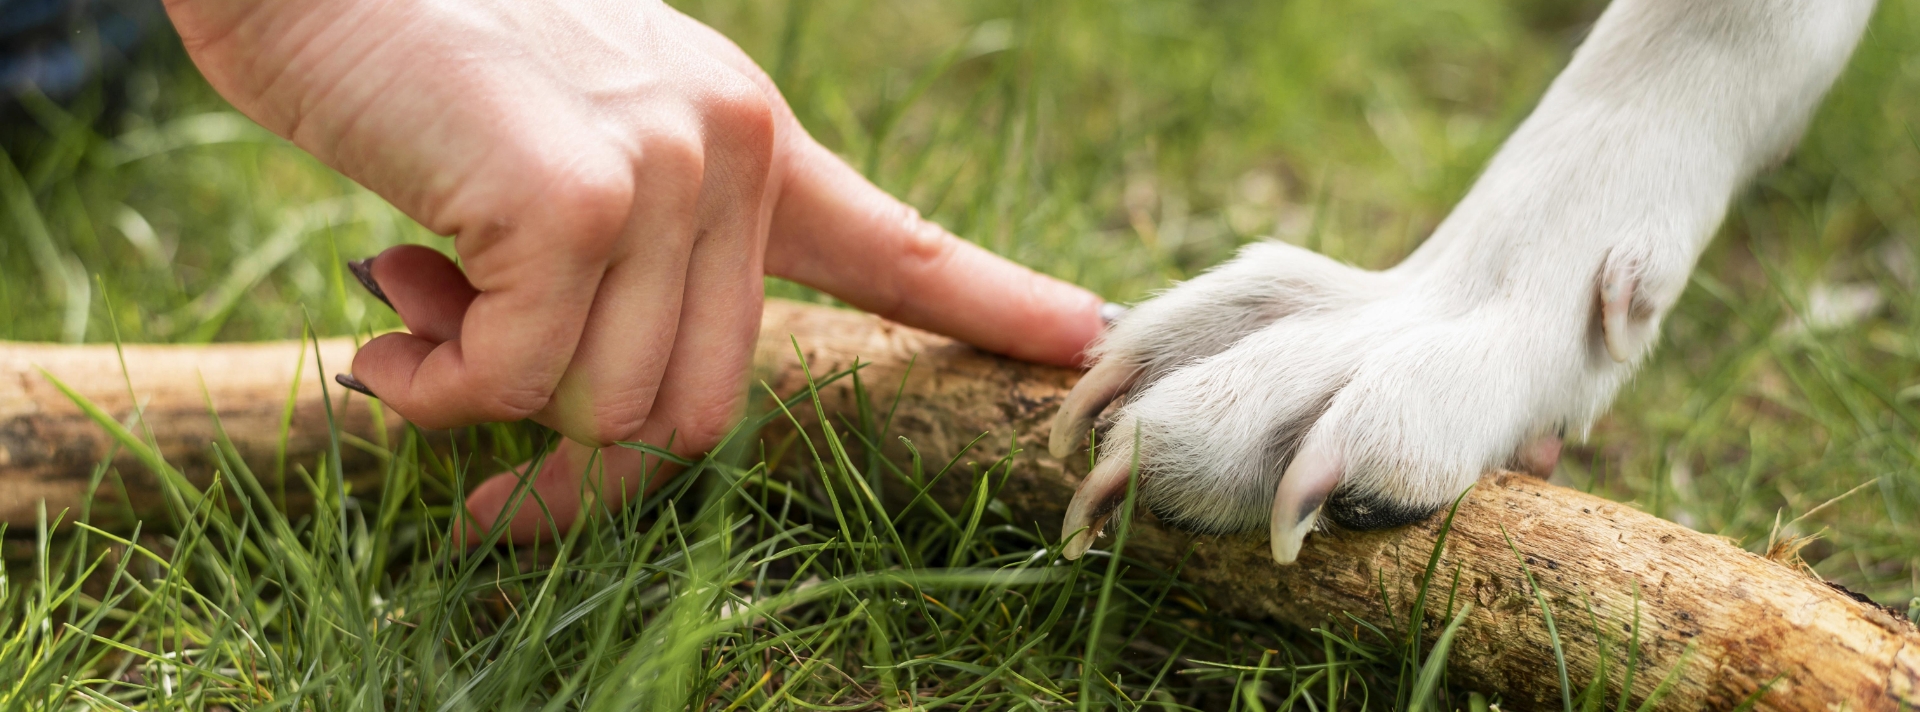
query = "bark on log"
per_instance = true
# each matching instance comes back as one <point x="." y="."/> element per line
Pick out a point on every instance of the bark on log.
<point x="1749" y="622"/>
<point x="49" y="447"/>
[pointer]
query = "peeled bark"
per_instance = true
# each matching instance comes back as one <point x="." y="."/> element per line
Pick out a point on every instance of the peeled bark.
<point x="1749" y="622"/>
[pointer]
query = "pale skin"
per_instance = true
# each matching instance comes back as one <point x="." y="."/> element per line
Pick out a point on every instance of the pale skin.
<point x="616" y="179"/>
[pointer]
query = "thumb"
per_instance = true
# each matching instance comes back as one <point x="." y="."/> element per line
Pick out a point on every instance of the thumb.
<point x="834" y="231"/>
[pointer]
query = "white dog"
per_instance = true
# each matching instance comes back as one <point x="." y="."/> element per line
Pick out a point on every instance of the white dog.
<point x="1283" y="386"/>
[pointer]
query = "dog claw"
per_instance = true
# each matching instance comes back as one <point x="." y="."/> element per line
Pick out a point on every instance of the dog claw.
<point x="1093" y="503"/>
<point x="1617" y="284"/>
<point x="1078" y="546"/>
<point x="1104" y="382"/>
<point x="1309" y="480"/>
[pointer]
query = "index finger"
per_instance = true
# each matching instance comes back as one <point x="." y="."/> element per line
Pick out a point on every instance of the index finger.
<point x="837" y="232"/>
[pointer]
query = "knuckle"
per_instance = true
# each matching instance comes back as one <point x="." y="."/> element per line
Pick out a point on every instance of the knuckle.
<point x="674" y="152"/>
<point x="743" y="111"/>
<point x="703" y="426"/>
<point x="619" y="419"/>
<point x="590" y="202"/>
<point x="927" y="246"/>
<point x="923" y="249"/>
<point x="513" y="402"/>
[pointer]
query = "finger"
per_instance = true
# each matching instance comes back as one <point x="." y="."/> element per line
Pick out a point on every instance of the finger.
<point x="691" y="413"/>
<point x="537" y="277"/>
<point x="704" y="384"/>
<point x="1106" y="381"/>
<point x="1308" y="481"/>
<point x="1097" y="497"/>
<point x="606" y="395"/>
<point x="555" y="489"/>
<point x="423" y="286"/>
<point x="610" y="386"/>
<point x="834" y="231"/>
<point x="572" y="479"/>
<point x="695" y="371"/>
<point x="706" y="378"/>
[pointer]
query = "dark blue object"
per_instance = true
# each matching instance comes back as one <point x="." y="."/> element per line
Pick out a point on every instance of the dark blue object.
<point x="58" y="47"/>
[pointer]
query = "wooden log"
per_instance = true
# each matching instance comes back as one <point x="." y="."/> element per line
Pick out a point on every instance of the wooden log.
<point x="49" y="447"/>
<point x="1735" y="624"/>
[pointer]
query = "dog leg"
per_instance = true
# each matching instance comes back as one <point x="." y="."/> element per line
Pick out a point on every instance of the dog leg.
<point x="1520" y="317"/>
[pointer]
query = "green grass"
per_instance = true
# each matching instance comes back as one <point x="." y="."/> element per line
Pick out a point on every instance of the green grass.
<point x="1120" y="144"/>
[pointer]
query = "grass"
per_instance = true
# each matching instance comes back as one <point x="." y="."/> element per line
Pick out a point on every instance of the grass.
<point x="1119" y="144"/>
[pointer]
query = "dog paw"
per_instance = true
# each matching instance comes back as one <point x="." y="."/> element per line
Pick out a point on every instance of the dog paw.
<point x="1284" y="388"/>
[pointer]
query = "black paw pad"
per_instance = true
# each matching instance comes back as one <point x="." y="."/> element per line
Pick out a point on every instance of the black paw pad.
<point x="1365" y="512"/>
<point x="1179" y="521"/>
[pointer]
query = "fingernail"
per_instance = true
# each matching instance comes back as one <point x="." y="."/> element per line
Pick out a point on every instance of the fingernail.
<point x="1110" y="313"/>
<point x="363" y="270"/>
<point x="353" y="384"/>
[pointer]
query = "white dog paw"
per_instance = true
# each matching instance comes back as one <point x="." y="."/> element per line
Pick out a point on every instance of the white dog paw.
<point x="1284" y="389"/>
<point x="1202" y="317"/>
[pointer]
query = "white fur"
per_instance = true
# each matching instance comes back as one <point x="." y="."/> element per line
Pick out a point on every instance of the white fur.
<point x="1421" y="377"/>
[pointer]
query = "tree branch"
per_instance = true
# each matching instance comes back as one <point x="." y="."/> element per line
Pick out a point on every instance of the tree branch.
<point x="1598" y="565"/>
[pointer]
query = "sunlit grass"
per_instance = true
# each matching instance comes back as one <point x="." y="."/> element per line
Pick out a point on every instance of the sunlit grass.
<point x="743" y="584"/>
<point x="737" y="586"/>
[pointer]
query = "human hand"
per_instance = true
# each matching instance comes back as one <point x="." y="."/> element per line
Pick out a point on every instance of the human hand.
<point x="617" y="178"/>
